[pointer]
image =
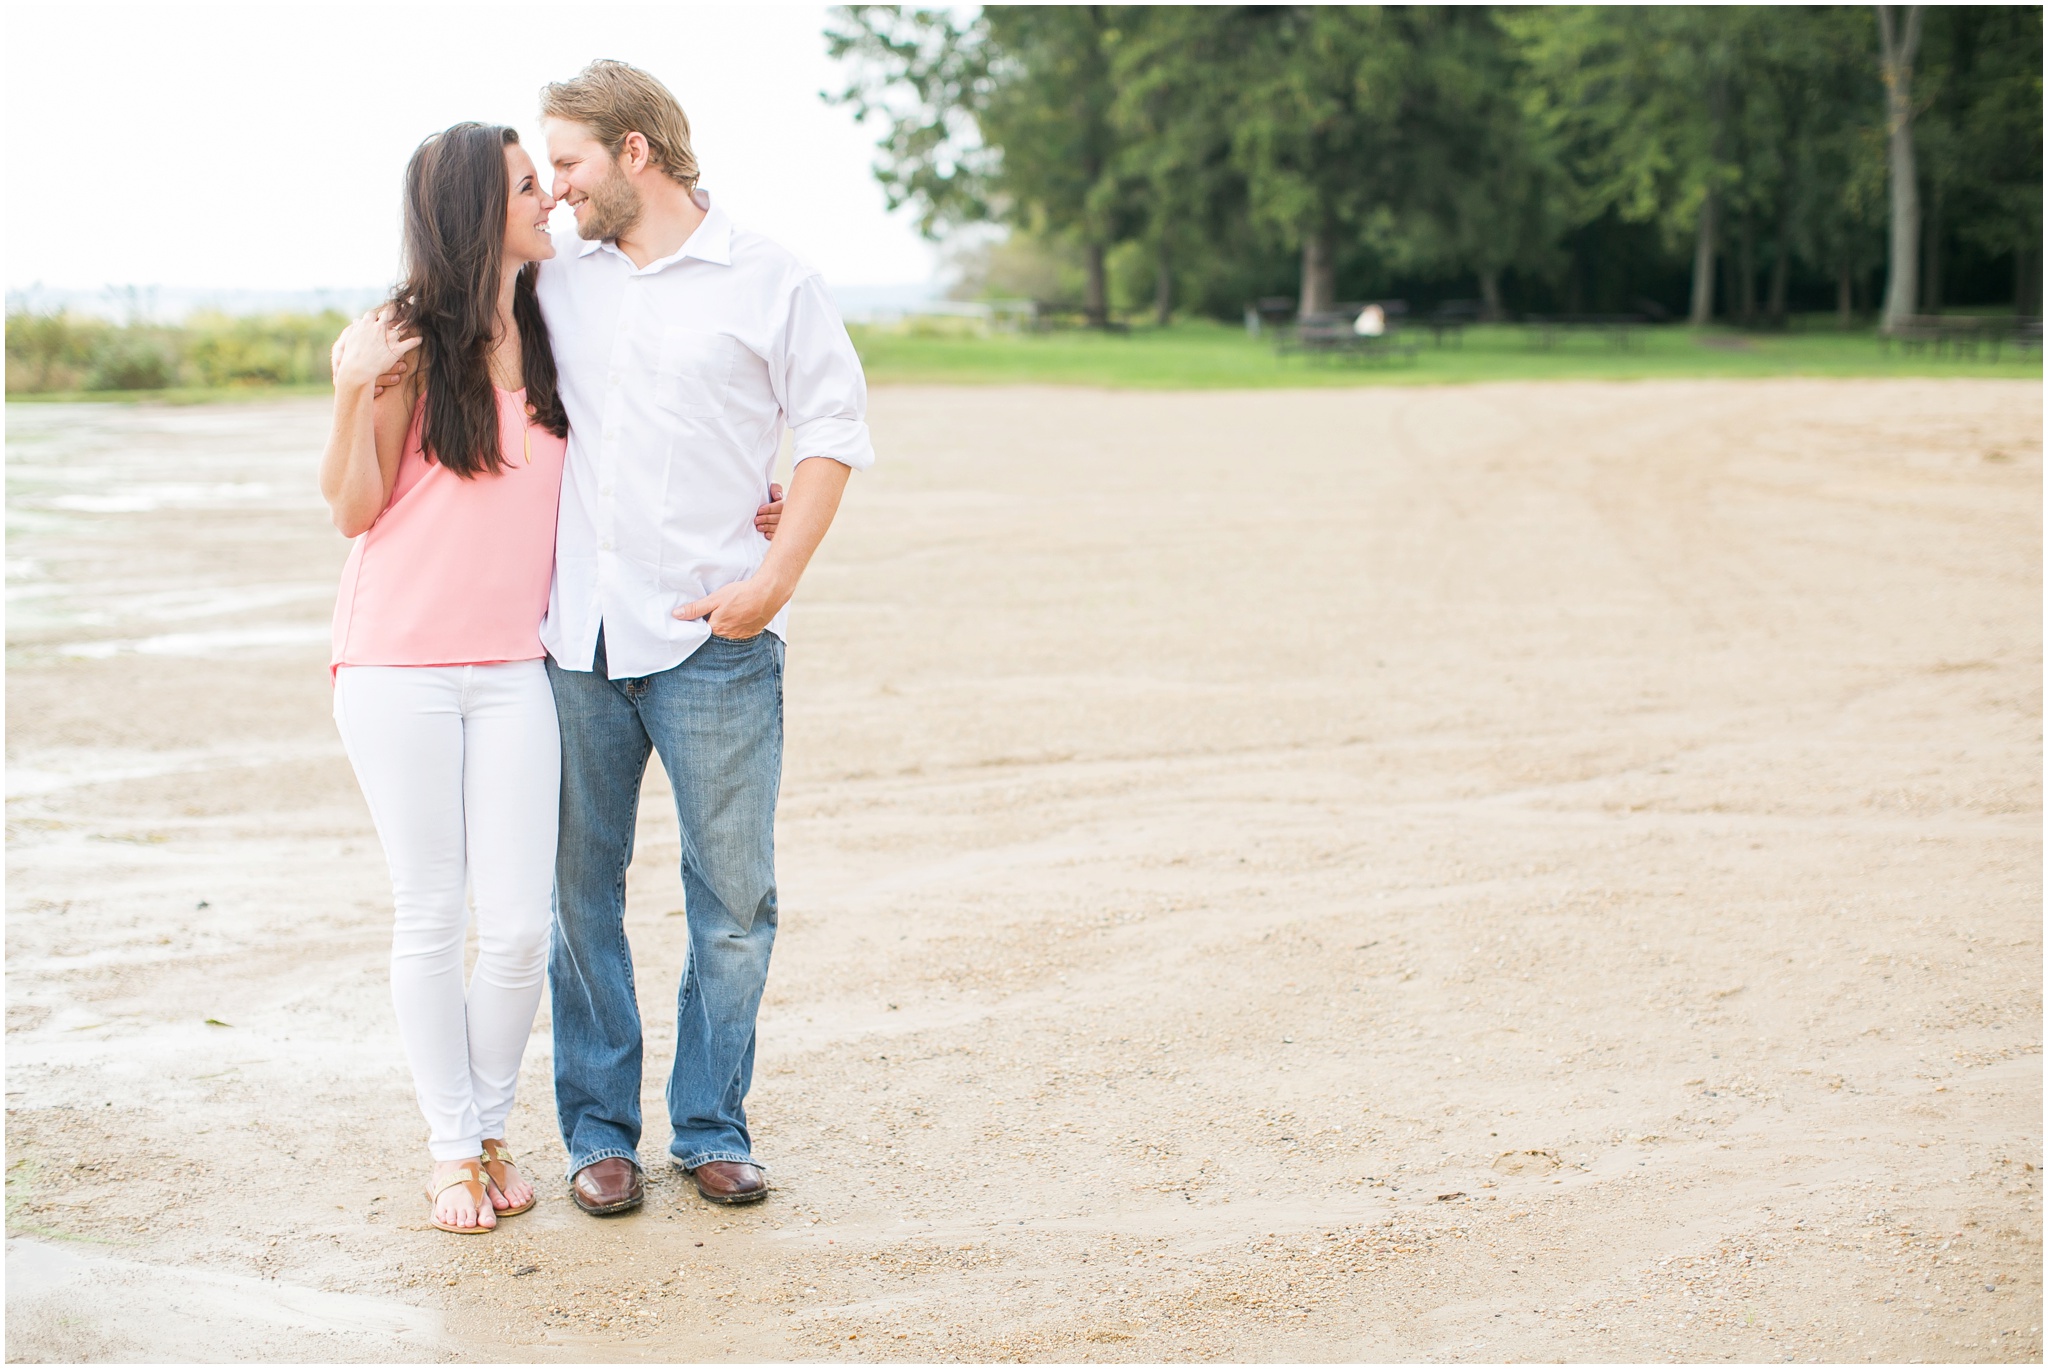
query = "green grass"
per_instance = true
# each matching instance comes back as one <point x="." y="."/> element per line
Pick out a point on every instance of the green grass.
<point x="273" y="358"/>
<point x="1205" y="355"/>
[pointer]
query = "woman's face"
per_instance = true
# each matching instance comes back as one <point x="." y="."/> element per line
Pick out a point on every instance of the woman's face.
<point x="526" y="216"/>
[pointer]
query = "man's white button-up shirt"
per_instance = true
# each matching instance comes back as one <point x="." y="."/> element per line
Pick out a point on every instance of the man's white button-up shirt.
<point x="678" y="378"/>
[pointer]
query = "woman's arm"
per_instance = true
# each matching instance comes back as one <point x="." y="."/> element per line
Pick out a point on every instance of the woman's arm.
<point x="368" y="437"/>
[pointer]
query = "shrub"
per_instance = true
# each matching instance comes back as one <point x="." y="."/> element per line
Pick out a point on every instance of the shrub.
<point x="51" y="351"/>
<point x="271" y="349"/>
<point x="133" y="361"/>
<point x="61" y="352"/>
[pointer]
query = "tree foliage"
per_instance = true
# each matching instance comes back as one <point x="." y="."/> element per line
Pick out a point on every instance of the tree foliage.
<point x="1541" y="157"/>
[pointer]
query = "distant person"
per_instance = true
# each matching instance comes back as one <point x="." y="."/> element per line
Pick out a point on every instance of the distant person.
<point x="447" y="473"/>
<point x="686" y="345"/>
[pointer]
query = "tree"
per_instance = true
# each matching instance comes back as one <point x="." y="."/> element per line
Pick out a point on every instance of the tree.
<point x="1977" y="142"/>
<point x="1481" y="192"/>
<point x="1048" y="113"/>
<point x="1826" y="169"/>
<point x="1317" y="94"/>
<point x="1002" y="117"/>
<point x="1640" y="104"/>
<point x="1170" y="72"/>
<point x="924" y="77"/>
<point x="1898" y="43"/>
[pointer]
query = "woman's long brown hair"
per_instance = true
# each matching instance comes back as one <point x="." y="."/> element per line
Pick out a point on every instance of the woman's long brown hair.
<point x="456" y="191"/>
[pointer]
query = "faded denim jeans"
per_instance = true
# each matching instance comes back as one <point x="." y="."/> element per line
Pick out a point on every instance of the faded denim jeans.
<point x="716" y="722"/>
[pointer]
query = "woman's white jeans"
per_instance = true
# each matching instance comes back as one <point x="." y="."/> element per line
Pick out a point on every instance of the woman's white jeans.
<point x="462" y="769"/>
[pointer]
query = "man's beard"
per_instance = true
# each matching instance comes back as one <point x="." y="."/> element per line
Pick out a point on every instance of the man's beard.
<point x="612" y="207"/>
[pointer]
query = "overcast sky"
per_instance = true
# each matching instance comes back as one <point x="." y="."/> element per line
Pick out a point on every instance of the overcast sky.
<point x="262" y="146"/>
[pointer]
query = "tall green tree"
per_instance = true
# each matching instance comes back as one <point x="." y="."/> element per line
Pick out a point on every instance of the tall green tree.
<point x="1317" y="99"/>
<point x="1641" y="105"/>
<point x="1048" y="113"/>
<point x="1977" y="137"/>
<point x="1830" y="147"/>
<point x="2000" y="124"/>
<point x="1006" y="116"/>
<point x="1481" y="193"/>
<point x="1173" y="71"/>
<point x="923" y="76"/>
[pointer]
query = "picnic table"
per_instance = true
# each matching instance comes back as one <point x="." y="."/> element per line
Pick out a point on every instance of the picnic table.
<point x="1335" y="335"/>
<point x="1452" y="318"/>
<point x="1547" y="330"/>
<point x="1047" y="315"/>
<point x="1268" y="311"/>
<point x="1960" y="335"/>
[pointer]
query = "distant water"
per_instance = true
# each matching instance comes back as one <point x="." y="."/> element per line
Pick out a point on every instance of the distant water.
<point x="168" y="304"/>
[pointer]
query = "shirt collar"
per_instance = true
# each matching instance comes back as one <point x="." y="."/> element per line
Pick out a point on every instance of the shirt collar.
<point x="711" y="242"/>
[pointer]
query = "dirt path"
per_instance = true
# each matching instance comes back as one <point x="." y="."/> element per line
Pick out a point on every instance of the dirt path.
<point x="1494" y="873"/>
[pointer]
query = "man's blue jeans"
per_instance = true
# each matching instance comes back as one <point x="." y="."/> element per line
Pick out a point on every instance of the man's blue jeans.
<point x="716" y="722"/>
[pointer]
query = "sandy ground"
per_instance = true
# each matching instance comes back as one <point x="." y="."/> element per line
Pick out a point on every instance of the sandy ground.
<point x="1517" y="872"/>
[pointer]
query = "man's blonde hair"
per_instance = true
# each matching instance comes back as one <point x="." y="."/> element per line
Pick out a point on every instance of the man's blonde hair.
<point x="612" y="99"/>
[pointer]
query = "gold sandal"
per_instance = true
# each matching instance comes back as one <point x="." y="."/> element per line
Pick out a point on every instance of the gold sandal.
<point x="470" y="1176"/>
<point x="499" y="1154"/>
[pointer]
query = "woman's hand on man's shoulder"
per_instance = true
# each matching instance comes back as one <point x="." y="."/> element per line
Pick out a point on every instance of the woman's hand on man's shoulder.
<point x="372" y="351"/>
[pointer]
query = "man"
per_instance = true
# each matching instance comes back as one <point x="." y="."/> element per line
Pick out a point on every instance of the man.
<point x="684" y="345"/>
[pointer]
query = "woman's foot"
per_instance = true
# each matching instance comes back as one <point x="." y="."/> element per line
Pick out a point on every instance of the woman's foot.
<point x="457" y="1192"/>
<point x="511" y="1194"/>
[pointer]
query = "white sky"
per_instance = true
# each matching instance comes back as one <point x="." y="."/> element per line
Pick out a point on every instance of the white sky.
<point x="263" y="146"/>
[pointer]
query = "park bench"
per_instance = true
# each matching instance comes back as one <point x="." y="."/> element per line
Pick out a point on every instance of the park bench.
<point x="1546" y="331"/>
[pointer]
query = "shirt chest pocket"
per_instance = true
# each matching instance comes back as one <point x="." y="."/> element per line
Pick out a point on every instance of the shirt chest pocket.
<point x="693" y="372"/>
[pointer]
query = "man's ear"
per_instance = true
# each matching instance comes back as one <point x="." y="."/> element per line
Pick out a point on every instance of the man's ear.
<point x="634" y="150"/>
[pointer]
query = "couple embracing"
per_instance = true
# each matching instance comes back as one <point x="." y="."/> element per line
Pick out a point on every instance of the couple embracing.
<point x="555" y="460"/>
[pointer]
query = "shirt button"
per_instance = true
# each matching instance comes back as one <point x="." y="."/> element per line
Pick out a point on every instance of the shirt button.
<point x="604" y="489"/>
<point x="605" y="545"/>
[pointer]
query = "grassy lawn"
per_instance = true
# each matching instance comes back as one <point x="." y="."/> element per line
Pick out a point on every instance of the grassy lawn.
<point x="1201" y="355"/>
<point x="1205" y="355"/>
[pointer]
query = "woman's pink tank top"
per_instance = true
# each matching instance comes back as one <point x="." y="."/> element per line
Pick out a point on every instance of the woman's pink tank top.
<point x="454" y="571"/>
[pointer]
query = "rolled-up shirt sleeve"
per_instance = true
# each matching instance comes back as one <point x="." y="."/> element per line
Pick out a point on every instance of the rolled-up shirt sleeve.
<point x="823" y="392"/>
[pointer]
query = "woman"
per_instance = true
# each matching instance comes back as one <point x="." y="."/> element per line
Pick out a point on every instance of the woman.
<point x="448" y="481"/>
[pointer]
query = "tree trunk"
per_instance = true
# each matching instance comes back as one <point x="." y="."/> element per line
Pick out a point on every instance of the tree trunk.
<point x="1845" y="298"/>
<point x="1162" y="290"/>
<point x="1489" y="295"/>
<point x="1746" y="272"/>
<point x="1098" y="288"/>
<point x="1897" y="49"/>
<point x="1930" y="269"/>
<point x="1703" y="266"/>
<point x="1318" y="273"/>
<point x="1781" y="267"/>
